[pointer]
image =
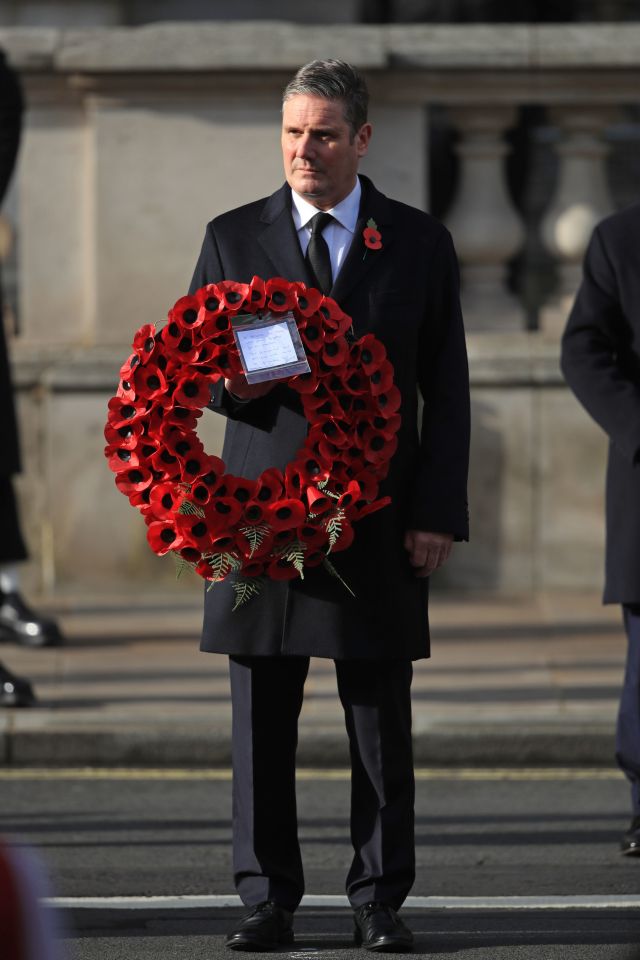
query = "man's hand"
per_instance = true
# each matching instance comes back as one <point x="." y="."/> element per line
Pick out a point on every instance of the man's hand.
<point x="238" y="387"/>
<point x="427" y="551"/>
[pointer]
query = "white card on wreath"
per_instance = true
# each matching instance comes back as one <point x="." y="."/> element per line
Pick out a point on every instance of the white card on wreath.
<point x="270" y="347"/>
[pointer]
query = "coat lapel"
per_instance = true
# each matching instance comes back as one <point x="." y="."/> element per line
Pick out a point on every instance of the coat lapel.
<point x="279" y="239"/>
<point x="360" y="260"/>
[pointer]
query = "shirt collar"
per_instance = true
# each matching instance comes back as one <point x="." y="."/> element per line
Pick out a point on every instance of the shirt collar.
<point x="345" y="212"/>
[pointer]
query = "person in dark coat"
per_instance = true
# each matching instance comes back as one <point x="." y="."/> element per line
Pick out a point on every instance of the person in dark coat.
<point x="406" y="293"/>
<point x="18" y="622"/>
<point x="601" y="363"/>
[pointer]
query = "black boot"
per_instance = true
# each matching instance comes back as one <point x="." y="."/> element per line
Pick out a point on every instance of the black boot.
<point x="20" y="624"/>
<point x="14" y="691"/>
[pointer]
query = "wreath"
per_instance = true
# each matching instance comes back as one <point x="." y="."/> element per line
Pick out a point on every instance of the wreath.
<point x="283" y="522"/>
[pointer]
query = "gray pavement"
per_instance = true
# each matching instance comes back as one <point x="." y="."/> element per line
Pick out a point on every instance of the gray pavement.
<point x="520" y="681"/>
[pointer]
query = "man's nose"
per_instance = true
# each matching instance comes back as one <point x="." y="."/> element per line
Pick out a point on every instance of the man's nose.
<point x="304" y="146"/>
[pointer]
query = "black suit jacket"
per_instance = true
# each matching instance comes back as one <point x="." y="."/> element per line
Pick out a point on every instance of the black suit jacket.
<point x="601" y="363"/>
<point x="407" y="295"/>
<point x="10" y="119"/>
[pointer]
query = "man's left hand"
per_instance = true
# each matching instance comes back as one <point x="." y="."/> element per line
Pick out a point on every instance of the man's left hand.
<point x="427" y="551"/>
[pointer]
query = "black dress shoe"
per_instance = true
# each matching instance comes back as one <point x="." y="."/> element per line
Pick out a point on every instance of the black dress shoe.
<point x="20" y="624"/>
<point x="14" y="691"/>
<point x="378" y="927"/>
<point x="265" y="927"/>
<point x="631" y="839"/>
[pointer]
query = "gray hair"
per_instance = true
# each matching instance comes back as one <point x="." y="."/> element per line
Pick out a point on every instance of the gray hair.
<point x="333" y="80"/>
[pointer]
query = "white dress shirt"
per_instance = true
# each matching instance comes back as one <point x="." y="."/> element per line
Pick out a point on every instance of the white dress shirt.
<point x="338" y="235"/>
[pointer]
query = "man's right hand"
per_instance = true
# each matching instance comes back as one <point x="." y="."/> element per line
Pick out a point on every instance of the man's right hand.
<point x="238" y="387"/>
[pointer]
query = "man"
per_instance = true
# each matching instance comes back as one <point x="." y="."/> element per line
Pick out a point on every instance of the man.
<point x="406" y="293"/>
<point x="601" y="363"/>
<point x="18" y="623"/>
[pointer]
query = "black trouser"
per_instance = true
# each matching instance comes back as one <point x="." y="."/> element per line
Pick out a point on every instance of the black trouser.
<point x="267" y="695"/>
<point x="628" y="728"/>
<point x="12" y="546"/>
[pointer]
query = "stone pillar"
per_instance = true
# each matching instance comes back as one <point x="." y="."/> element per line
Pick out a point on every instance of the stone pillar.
<point x="486" y="229"/>
<point x="581" y="200"/>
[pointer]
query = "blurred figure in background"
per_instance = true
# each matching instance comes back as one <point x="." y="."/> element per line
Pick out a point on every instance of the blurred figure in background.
<point x="26" y="926"/>
<point x="601" y="363"/>
<point x="18" y="622"/>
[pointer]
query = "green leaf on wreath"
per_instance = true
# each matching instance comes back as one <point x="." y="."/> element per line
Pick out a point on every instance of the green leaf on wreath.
<point x="245" y="589"/>
<point x="221" y="564"/>
<point x="255" y="535"/>
<point x="182" y="565"/>
<point x="190" y="509"/>
<point x="326" y="563"/>
<point x="294" y="553"/>
<point x="334" y="528"/>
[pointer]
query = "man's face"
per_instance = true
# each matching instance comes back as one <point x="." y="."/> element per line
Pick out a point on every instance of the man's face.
<point x="320" y="153"/>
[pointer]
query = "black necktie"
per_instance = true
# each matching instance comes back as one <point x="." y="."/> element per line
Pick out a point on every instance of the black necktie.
<point x="318" y="259"/>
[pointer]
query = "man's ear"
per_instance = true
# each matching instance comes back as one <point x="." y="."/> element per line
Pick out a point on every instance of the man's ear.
<point x="363" y="136"/>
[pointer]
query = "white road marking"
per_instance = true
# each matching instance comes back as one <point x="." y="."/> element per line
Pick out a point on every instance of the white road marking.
<point x="192" y="902"/>
<point x="421" y="773"/>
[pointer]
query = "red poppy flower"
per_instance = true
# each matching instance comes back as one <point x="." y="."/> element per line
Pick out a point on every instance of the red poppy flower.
<point x="319" y="502"/>
<point x="376" y="446"/>
<point x="372" y="236"/>
<point x="179" y="343"/>
<point x="312" y="334"/>
<point x="280" y="294"/>
<point x="140" y="499"/>
<point x="183" y="417"/>
<point x="387" y="427"/>
<point x="350" y="496"/>
<point x="313" y="535"/>
<point x="192" y="391"/>
<point x="232" y="294"/>
<point x="368" y="352"/>
<point x="122" y="413"/>
<point x="187" y="312"/>
<point x="165" y="500"/>
<point x="144" y="342"/>
<point x="270" y="486"/>
<point x="194" y="530"/>
<point x="382" y="378"/>
<point x="314" y="558"/>
<point x="208" y="298"/>
<point x="302" y="472"/>
<point x="217" y="331"/>
<point x="362" y="508"/>
<point x="253" y="513"/>
<point x="307" y="301"/>
<point x="163" y="536"/>
<point x="149" y="381"/>
<point x="223" y="542"/>
<point x="306" y="382"/>
<point x="335" y="352"/>
<point x="126" y="390"/>
<point x="257" y="293"/>
<point x="125" y="437"/>
<point x="285" y="514"/>
<point x="334" y="318"/>
<point x="121" y="458"/>
<point x="389" y="401"/>
<point x="225" y="511"/>
<point x="136" y="479"/>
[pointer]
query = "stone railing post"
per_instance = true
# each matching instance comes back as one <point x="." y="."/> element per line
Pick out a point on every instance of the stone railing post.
<point x="581" y="200"/>
<point x="485" y="227"/>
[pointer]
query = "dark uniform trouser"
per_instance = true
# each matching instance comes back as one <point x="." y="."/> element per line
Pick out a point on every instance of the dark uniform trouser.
<point x="628" y="729"/>
<point x="12" y="548"/>
<point x="267" y="695"/>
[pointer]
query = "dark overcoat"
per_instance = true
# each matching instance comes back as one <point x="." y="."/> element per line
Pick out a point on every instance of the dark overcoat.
<point x="601" y="363"/>
<point x="10" y="119"/>
<point x="407" y="295"/>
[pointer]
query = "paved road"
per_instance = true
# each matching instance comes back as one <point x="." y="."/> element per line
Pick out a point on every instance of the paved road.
<point x="481" y="834"/>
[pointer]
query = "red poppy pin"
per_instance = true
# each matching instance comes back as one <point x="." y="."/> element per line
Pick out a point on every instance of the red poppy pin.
<point x="371" y="236"/>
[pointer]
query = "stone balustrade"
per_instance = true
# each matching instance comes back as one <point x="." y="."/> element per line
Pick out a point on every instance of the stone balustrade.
<point x="136" y="137"/>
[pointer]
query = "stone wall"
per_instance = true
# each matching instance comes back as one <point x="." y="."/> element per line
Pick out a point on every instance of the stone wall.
<point x="136" y="137"/>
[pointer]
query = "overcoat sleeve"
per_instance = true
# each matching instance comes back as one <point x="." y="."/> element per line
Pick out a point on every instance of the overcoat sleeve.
<point x="262" y="413"/>
<point x="440" y="494"/>
<point x="596" y="359"/>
